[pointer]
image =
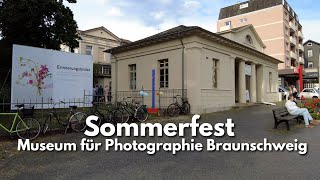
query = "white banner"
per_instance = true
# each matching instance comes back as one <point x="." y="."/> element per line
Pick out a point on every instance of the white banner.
<point x="41" y="75"/>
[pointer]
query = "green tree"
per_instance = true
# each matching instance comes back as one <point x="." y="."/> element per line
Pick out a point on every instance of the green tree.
<point x="39" y="23"/>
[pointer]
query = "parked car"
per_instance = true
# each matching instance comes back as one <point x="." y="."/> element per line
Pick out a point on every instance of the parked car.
<point x="283" y="92"/>
<point x="309" y="93"/>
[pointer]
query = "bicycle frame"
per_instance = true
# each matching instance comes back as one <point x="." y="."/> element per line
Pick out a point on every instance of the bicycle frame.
<point x="54" y="114"/>
<point x="16" y="118"/>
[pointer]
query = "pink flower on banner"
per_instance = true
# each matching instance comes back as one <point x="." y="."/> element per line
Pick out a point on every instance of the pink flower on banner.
<point x="30" y="81"/>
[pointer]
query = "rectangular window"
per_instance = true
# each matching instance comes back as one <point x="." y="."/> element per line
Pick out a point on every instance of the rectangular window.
<point x="270" y="81"/>
<point x="88" y="50"/>
<point x="242" y="6"/>
<point x="215" y="69"/>
<point x="310" y="64"/>
<point x="228" y="23"/>
<point x="106" y="70"/>
<point x="133" y="76"/>
<point x="310" y="53"/>
<point x="164" y="73"/>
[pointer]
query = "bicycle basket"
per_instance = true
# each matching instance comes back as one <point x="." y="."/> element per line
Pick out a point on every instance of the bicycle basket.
<point x="28" y="111"/>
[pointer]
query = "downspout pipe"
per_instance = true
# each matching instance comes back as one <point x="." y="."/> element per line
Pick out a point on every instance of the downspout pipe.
<point x="182" y="65"/>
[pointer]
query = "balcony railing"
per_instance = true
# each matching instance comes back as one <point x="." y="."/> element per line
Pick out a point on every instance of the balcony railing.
<point x="293" y="41"/>
<point x="292" y="27"/>
<point x="102" y="70"/>
<point x="300" y="34"/>
<point x="301" y="48"/>
<point x="301" y="60"/>
<point x="293" y="55"/>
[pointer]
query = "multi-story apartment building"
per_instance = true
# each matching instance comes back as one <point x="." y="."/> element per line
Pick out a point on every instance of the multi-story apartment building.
<point x="312" y="58"/>
<point x="277" y="25"/>
<point x="94" y="42"/>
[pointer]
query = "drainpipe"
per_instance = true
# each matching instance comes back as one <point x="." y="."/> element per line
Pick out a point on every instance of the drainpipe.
<point x="183" y="47"/>
<point x="116" y="76"/>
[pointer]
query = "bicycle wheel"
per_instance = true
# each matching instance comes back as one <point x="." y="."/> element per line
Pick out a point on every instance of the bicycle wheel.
<point x="185" y="108"/>
<point x="125" y="116"/>
<point x="28" y="128"/>
<point x="116" y="116"/>
<point x="78" y="121"/>
<point x="141" y="114"/>
<point x="173" y="110"/>
<point x="100" y="118"/>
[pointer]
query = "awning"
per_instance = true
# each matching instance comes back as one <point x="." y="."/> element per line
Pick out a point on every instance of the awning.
<point x="289" y="73"/>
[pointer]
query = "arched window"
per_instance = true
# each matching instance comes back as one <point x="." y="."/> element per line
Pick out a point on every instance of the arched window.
<point x="248" y="39"/>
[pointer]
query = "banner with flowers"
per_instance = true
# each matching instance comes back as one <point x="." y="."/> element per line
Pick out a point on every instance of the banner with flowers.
<point x="41" y="75"/>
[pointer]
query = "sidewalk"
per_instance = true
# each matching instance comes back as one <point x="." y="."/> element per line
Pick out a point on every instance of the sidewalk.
<point x="252" y="124"/>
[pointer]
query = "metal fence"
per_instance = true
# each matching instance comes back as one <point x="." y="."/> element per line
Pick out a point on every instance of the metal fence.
<point x="162" y="97"/>
<point x="43" y="106"/>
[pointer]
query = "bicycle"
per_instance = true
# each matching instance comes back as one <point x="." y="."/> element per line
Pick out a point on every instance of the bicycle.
<point x="27" y="127"/>
<point x="135" y="111"/>
<point x="112" y="115"/>
<point x="75" y="120"/>
<point x="175" y="108"/>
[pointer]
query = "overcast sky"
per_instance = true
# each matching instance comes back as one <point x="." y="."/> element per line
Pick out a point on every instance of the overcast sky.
<point x="136" y="19"/>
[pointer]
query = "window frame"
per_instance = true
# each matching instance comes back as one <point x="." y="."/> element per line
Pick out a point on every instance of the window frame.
<point x="227" y="23"/>
<point x="86" y="49"/>
<point x="215" y="73"/>
<point x="165" y="69"/>
<point x="132" y="76"/>
<point x="248" y="39"/>
<point x="310" y="53"/>
<point x="310" y="63"/>
<point x="270" y="82"/>
<point x="106" y="69"/>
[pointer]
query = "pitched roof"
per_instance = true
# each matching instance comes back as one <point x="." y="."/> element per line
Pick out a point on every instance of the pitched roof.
<point x="250" y="26"/>
<point x="186" y="31"/>
<point x="103" y="29"/>
<point x="311" y="42"/>
<point x="253" y="5"/>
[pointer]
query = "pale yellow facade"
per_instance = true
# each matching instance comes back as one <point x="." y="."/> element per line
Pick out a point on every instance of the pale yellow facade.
<point x="94" y="42"/>
<point x="199" y="54"/>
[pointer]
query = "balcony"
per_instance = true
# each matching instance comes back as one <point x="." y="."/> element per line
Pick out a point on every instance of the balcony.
<point x="300" y="34"/>
<point x="292" y="27"/>
<point x="100" y="70"/>
<point x="293" y="55"/>
<point x="293" y="41"/>
<point x="225" y="28"/>
<point x="301" y="48"/>
<point x="301" y="60"/>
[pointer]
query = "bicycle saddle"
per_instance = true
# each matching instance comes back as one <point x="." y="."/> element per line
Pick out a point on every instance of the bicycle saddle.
<point x="73" y="107"/>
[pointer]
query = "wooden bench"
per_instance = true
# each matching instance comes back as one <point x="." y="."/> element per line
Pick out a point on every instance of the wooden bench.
<point x="281" y="115"/>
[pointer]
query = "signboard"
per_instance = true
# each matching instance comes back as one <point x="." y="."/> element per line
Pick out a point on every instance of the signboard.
<point x="41" y="74"/>
<point x="248" y="70"/>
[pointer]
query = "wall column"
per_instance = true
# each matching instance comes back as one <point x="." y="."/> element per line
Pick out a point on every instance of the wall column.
<point x="261" y="86"/>
<point x="242" y="82"/>
<point x="253" y="84"/>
